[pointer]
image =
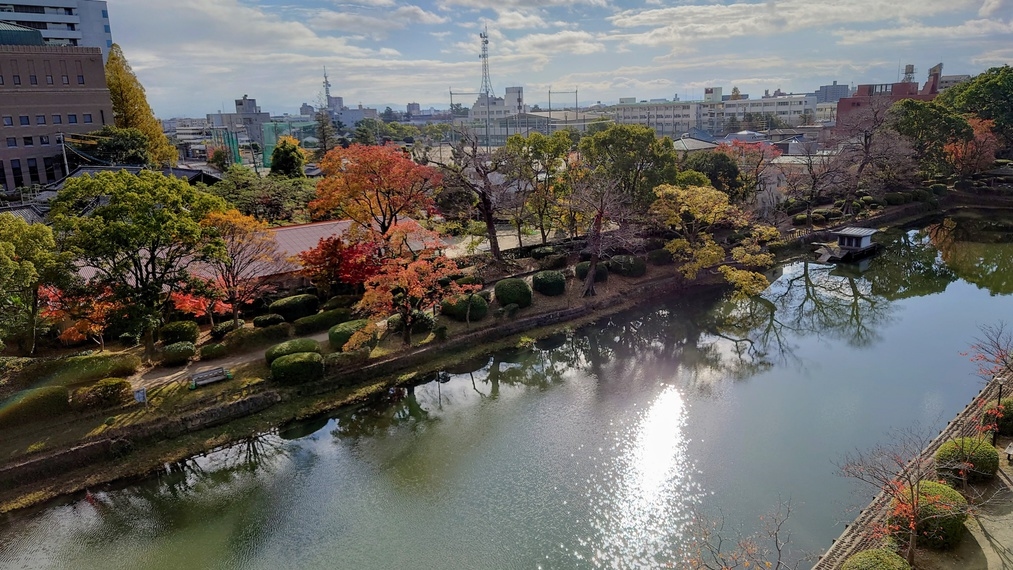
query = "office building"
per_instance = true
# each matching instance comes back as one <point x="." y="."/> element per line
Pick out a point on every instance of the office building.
<point x="80" y="23"/>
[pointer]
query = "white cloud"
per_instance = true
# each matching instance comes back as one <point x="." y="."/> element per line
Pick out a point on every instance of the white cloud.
<point x="565" y="41"/>
<point x="995" y="7"/>
<point x="971" y="30"/>
<point x="377" y="24"/>
<point x="516" y="20"/>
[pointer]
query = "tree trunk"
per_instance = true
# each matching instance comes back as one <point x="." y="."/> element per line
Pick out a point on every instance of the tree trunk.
<point x="33" y="322"/>
<point x="911" y="542"/>
<point x="101" y="342"/>
<point x="485" y="206"/>
<point x="406" y="330"/>
<point x="589" y="280"/>
<point x="594" y="244"/>
<point x="235" y="313"/>
<point x="520" y="236"/>
<point x="149" y="342"/>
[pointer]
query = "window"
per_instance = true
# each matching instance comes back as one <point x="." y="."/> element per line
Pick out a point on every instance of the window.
<point x="17" y="80"/>
<point x="65" y="80"/>
<point x="1" y="79"/>
<point x="49" y="80"/>
<point x="57" y="119"/>
<point x="80" y="80"/>
<point x="72" y="119"/>
<point x="33" y="79"/>
<point x="107" y="29"/>
<point x="44" y="139"/>
<point x="86" y="117"/>
<point x="28" y="141"/>
<point x="19" y="179"/>
<point x="33" y="171"/>
<point x="8" y="121"/>
<point x="105" y="14"/>
<point x="24" y="120"/>
<point x="40" y="119"/>
<point x="12" y="142"/>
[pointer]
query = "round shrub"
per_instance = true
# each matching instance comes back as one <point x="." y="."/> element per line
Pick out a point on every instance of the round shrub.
<point x="628" y="266"/>
<point x="212" y="351"/>
<point x="298" y="368"/>
<point x="340" y="302"/>
<point x="868" y="200"/>
<point x="339" y="334"/>
<point x="584" y="255"/>
<point x="105" y="393"/>
<point x="342" y="359"/>
<point x="242" y="339"/>
<point x="819" y="219"/>
<point x="223" y="328"/>
<point x="421" y="322"/>
<point x="800" y="220"/>
<point x="295" y="307"/>
<point x="321" y="321"/>
<point x="129" y="339"/>
<point x="508" y="311"/>
<point x="921" y="195"/>
<point x="34" y="404"/>
<point x="513" y="291"/>
<point x="1005" y="423"/>
<point x="938" y="189"/>
<point x="940" y="520"/>
<point x="875" y="559"/>
<point x="660" y="257"/>
<point x="551" y="283"/>
<point x="553" y="262"/>
<point x="963" y="185"/>
<point x="268" y="320"/>
<point x="895" y="198"/>
<point x="601" y="272"/>
<point x="470" y="280"/>
<point x="975" y="456"/>
<point x="178" y="353"/>
<point x="457" y="308"/>
<point x="179" y="331"/>
<point x="543" y="252"/>
<point x="291" y="347"/>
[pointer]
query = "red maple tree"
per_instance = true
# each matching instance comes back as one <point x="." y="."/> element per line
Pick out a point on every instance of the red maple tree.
<point x="335" y="261"/>
<point x="88" y="310"/>
<point x="977" y="153"/>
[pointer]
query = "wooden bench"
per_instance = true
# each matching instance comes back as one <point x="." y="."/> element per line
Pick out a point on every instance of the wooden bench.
<point x="209" y="376"/>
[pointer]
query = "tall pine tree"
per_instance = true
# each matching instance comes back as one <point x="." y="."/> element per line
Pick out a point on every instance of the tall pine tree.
<point x="131" y="109"/>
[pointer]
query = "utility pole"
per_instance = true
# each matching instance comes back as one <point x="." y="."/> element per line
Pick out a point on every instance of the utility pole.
<point x="576" y="108"/>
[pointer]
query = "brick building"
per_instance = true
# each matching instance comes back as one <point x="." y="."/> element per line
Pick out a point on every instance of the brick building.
<point x="45" y="91"/>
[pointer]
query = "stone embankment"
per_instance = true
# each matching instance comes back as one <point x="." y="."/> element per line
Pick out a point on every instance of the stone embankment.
<point x="860" y="534"/>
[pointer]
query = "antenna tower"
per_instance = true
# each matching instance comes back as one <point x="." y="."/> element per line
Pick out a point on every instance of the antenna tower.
<point x="327" y="89"/>
<point x="484" y="56"/>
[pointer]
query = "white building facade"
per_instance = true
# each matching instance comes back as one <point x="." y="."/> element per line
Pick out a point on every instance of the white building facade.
<point x="83" y="23"/>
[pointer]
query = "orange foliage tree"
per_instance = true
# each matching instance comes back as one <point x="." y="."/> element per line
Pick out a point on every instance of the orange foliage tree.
<point x="248" y="254"/>
<point x="413" y="278"/>
<point x="88" y="310"/>
<point x="976" y="153"/>
<point x="199" y="298"/>
<point x="334" y="261"/>
<point x="374" y="186"/>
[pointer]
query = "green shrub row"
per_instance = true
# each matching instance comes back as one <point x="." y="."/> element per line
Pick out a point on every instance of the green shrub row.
<point x="297" y="368"/>
<point x="34" y="404"/>
<point x="544" y="251"/>
<point x="178" y="353"/>
<point x="340" y="302"/>
<point x="105" y="393"/>
<point x="601" y="272"/>
<point x="321" y="321"/>
<point x="339" y="334"/>
<point x="513" y="291"/>
<point x="550" y="283"/>
<point x="336" y="360"/>
<point x="295" y="307"/>
<point x="972" y="457"/>
<point x="179" y="331"/>
<point x="215" y="350"/>
<point x="875" y="559"/>
<point x="552" y="262"/>
<point x="291" y="347"/>
<point x="223" y="328"/>
<point x="245" y="338"/>
<point x="457" y="308"/>
<point x="267" y="320"/>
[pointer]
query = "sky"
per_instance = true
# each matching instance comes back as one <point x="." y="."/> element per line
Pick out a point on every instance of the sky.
<point x="197" y="56"/>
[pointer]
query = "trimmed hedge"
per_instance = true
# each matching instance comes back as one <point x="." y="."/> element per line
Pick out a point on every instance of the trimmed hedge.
<point x="298" y="368"/>
<point x="291" y="347"/>
<point x="321" y="321"/>
<point x="342" y="359"/>
<point x="105" y="393"/>
<point x="876" y="559"/>
<point x="513" y="291"/>
<point x="544" y="251"/>
<point x="938" y="189"/>
<point x="799" y="220"/>
<point x="421" y="322"/>
<point x="179" y="331"/>
<point x="457" y="308"/>
<point x="178" y="353"/>
<point x="601" y="271"/>
<point x="551" y="283"/>
<point x="940" y="521"/>
<point x="977" y="456"/>
<point x="34" y="404"/>
<point x="896" y="198"/>
<point x="267" y="320"/>
<point x="223" y="328"/>
<point x="295" y="307"/>
<point x="553" y="262"/>
<point x="1005" y="423"/>
<point x="212" y="351"/>
<point x="470" y="280"/>
<point x="660" y="257"/>
<point x="242" y="339"/>
<point x="339" y="334"/>
<point x="340" y="302"/>
<point x="628" y="266"/>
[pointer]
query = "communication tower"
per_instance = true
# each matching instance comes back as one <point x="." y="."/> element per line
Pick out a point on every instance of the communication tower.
<point x="484" y="56"/>
<point x="327" y="88"/>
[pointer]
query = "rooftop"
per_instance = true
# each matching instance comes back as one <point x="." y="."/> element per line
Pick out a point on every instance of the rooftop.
<point x="851" y="231"/>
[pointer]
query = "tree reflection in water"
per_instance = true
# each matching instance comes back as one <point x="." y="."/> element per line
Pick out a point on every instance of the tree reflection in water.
<point x="977" y="249"/>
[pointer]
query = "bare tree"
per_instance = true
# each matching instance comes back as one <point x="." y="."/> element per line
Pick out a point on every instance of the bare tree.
<point x="992" y="352"/>
<point x="867" y="138"/>
<point x="814" y="174"/>
<point x="768" y="548"/>
<point x="608" y="207"/>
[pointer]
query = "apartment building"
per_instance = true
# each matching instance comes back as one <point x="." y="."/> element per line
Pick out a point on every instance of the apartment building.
<point x="46" y="91"/>
<point x="81" y="23"/>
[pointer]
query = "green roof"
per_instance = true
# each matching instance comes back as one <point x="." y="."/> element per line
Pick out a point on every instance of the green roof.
<point x="15" y="35"/>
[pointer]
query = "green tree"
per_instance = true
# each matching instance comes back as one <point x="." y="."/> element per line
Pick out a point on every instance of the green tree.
<point x="633" y="156"/>
<point x="219" y="159"/>
<point x="928" y="127"/>
<point x="736" y="94"/>
<point x="388" y="115"/>
<point x="140" y="236"/>
<point x="121" y="146"/>
<point x="533" y="165"/>
<point x="131" y="109"/>
<point x="988" y="96"/>
<point x="721" y="169"/>
<point x="28" y="260"/>
<point x="326" y="134"/>
<point x="288" y="159"/>
<point x="272" y="198"/>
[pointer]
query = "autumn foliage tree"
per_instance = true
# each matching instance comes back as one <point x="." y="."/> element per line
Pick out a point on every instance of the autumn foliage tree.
<point x="374" y="186"/>
<point x="131" y="109"/>
<point x="201" y="297"/>
<point x="89" y="311"/>
<point x="245" y="253"/>
<point x="975" y="153"/>
<point x="334" y="261"/>
<point x="754" y="161"/>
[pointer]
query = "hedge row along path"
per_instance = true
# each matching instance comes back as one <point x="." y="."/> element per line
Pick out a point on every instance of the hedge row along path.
<point x="860" y="534"/>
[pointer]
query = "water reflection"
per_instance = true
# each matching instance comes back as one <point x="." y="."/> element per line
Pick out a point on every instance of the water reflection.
<point x="977" y="248"/>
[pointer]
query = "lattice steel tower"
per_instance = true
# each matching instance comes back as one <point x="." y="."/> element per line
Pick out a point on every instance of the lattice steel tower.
<point x="327" y="88"/>
<point x="484" y="56"/>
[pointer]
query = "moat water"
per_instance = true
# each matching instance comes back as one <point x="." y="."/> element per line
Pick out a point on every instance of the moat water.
<point x="595" y="448"/>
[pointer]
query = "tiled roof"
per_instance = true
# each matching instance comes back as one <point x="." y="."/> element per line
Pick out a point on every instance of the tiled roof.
<point x="293" y="240"/>
<point x="27" y="212"/>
